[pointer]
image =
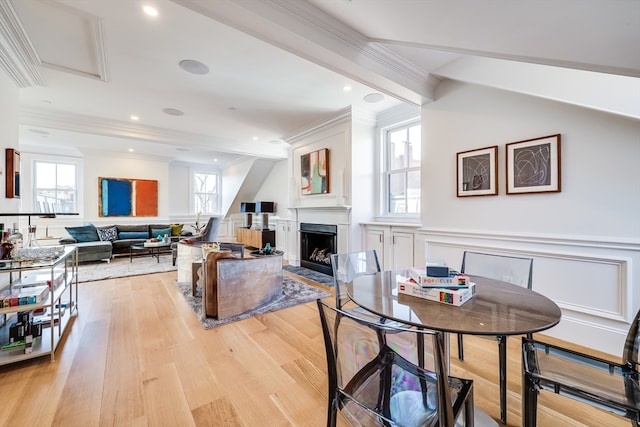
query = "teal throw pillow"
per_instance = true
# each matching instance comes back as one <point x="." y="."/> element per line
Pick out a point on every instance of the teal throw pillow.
<point x="84" y="233"/>
<point x="133" y="235"/>
<point x="155" y="232"/>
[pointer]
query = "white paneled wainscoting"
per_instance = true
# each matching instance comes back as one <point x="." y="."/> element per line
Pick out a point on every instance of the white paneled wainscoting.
<point x="593" y="281"/>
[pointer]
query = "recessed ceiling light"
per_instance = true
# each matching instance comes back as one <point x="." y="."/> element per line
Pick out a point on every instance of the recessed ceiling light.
<point x="131" y="150"/>
<point x="173" y="111"/>
<point x="215" y="160"/>
<point x="134" y="118"/>
<point x="374" y="97"/>
<point x="150" y="10"/>
<point x="255" y="138"/>
<point x="194" y="67"/>
<point x="347" y="88"/>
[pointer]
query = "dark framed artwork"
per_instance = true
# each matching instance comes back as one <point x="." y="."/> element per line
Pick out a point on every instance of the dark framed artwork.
<point x="533" y="165"/>
<point x="127" y="197"/>
<point x="477" y="172"/>
<point x="12" y="166"/>
<point x="314" y="172"/>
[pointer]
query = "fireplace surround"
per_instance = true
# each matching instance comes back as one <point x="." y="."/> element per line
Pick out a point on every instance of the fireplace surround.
<point x="317" y="243"/>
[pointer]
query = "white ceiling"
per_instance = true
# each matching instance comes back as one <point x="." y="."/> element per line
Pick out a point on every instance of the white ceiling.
<point x="276" y="66"/>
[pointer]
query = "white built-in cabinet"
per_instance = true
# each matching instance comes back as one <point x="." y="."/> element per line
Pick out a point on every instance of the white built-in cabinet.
<point x="393" y="243"/>
<point x="286" y="237"/>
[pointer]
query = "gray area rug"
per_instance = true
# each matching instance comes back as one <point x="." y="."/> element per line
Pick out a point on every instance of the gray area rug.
<point x="293" y="293"/>
<point x="307" y="273"/>
<point x="121" y="267"/>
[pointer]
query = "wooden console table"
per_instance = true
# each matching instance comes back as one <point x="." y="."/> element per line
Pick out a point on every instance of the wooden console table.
<point x="256" y="238"/>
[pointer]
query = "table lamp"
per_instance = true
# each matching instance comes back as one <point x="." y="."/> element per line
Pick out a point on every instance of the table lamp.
<point x="265" y="208"/>
<point x="248" y="208"/>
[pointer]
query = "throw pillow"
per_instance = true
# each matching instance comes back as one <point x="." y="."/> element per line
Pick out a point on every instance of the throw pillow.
<point x="176" y="229"/>
<point x="133" y="235"/>
<point x="155" y="232"/>
<point x="107" y="234"/>
<point x="84" y="233"/>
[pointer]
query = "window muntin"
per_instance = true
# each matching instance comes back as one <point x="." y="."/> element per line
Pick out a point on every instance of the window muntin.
<point x="402" y="169"/>
<point x="56" y="188"/>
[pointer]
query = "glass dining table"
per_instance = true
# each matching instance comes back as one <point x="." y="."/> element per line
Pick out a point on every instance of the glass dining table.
<point x="497" y="309"/>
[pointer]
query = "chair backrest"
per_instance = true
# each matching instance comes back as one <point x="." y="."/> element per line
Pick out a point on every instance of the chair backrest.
<point x="348" y="266"/>
<point x="632" y="344"/>
<point x="369" y="380"/>
<point x="210" y="231"/>
<point x="510" y="269"/>
<point x="235" y="248"/>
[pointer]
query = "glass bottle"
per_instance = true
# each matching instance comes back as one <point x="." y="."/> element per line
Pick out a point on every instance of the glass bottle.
<point x="15" y="238"/>
<point x="6" y="248"/>
<point x="31" y="242"/>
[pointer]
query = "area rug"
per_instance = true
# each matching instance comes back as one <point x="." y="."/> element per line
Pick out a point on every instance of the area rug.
<point x="293" y="293"/>
<point x="307" y="273"/>
<point x="121" y="267"/>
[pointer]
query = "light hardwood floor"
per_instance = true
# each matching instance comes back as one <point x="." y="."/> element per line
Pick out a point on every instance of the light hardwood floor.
<point x="137" y="356"/>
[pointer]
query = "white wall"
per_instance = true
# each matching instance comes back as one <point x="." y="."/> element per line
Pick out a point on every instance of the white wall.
<point x="585" y="240"/>
<point x="8" y="139"/>
<point x="276" y="188"/>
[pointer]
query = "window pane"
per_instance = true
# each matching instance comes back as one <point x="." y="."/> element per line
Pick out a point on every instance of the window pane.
<point x="55" y="189"/>
<point x="397" y="149"/>
<point x="397" y="196"/>
<point x="45" y="175"/>
<point x="66" y="176"/>
<point x="413" y="192"/>
<point x="205" y="192"/>
<point x="415" y="143"/>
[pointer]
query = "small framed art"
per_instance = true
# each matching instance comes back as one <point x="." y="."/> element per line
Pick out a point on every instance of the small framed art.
<point x="533" y="165"/>
<point x="477" y="172"/>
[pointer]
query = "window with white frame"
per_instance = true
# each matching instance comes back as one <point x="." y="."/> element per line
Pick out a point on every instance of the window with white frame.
<point x="402" y="146"/>
<point x="55" y="188"/>
<point x="206" y="192"/>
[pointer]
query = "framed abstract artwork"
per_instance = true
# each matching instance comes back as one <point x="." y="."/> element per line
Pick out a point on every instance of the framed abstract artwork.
<point x="127" y="197"/>
<point x="477" y="172"/>
<point x="314" y="172"/>
<point x="533" y="165"/>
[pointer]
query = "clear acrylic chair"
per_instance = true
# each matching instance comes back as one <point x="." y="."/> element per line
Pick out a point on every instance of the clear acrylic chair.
<point x="348" y="266"/>
<point x="598" y="382"/>
<point x="371" y="382"/>
<point x="510" y="269"/>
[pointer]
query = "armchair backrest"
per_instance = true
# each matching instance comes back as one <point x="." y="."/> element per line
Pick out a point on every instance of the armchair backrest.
<point x="348" y="266"/>
<point x="510" y="269"/>
<point x="210" y="231"/>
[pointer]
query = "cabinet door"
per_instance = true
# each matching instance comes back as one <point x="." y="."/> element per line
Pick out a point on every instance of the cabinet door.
<point x="402" y="245"/>
<point x="282" y="236"/>
<point x="375" y="239"/>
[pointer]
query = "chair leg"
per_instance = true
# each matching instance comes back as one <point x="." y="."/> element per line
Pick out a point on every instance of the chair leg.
<point x="529" y="401"/>
<point x="502" y="360"/>
<point x="460" y="348"/>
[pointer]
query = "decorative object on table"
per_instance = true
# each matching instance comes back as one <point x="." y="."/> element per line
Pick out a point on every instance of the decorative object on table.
<point x="533" y="165"/>
<point x="197" y="225"/>
<point x="314" y="172"/>
<point x="265" y="208"/>
<point x="477" y="172"/>
<point x="127" y="197"/>
<point x="248" y="208"/>
<point x="32" y="241"/>
<point x="445" y="295"/>
<point x="6" y="248"/>
<point x="267" y="249"/>
<point x="15" y="237"/>
<point x="37" y="253"/>
<point x="12" y="168"/>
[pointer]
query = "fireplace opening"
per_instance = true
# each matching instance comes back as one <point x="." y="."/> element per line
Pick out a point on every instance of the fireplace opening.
<point x="317" y="243"/>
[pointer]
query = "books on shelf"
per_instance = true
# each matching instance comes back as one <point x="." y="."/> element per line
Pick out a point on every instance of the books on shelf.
<point x="457" y="297"/>
<point x="453" y="281"/>
<point x="24" y="296"/>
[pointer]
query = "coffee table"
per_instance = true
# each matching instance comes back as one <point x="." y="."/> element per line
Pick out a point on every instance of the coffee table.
<point x="152" y="248"/>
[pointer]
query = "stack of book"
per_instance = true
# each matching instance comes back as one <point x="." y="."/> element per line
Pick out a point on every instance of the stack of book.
<point x="454" y="289"/>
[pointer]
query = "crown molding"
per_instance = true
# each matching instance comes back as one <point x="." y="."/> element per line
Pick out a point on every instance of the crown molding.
<point x="18" y="58"/>
<point x="118" y="129"/>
